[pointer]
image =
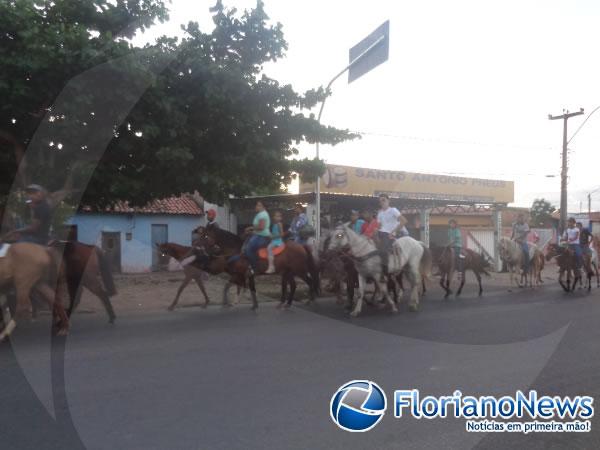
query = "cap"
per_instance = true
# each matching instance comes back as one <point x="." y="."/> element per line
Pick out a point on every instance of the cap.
<point x="35" y="188"/>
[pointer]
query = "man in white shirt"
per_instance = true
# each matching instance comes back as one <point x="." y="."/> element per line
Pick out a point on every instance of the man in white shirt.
<point x="392" y="224"/>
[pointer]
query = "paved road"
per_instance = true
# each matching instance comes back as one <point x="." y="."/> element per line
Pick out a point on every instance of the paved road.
<point x="233" y="379"/>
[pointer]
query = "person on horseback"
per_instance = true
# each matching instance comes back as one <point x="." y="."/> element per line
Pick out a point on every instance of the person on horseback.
<point x="260" y="235"/>
<point x="370" y="225"/>
<point x="572" y="237"/>
<point x="520" y="231"/>
<point x="38" y="231"/>
<point x="276" y="239"/>
<point x="211" y="219"/>
<point x="455" y="243"/>
<point x="356" y="223"/>
<point x="391" y="226"/>
<point x="585" y="239"/>
<point x="298" y="222"/>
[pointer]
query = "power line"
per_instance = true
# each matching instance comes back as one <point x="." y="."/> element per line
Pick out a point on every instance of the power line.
<point x="454" y="141"/>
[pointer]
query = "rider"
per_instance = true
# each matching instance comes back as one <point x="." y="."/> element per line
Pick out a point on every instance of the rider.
<point x="370" y="225"/>
<point x="260" y="235"/>
<point x="276" y="239"/>
<point x="585" y="238"/>
<point x="38" y="231"/>
<point x="572" y="237"/>
<point x="391" y="225"/>
<point x="356" y="223"/>
<point x="298" y="222"/>
<point x="520" y="230"/>
<point x="211" y="219"/>
<point x="455" y="243"/>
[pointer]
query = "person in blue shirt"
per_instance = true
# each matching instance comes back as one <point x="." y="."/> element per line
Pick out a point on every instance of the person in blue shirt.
<point x="298" y="222"/>
<point x="276" y="239"/>
<point x="356" y="223"/>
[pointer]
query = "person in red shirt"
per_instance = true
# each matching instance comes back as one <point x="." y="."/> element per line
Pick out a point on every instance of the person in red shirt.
<point x="370" y="226"/>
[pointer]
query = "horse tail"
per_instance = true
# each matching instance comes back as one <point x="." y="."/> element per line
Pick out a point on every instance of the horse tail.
<point x="313" y="269"/>
<point x="106" y="272"/>
<point x="426" y="262"/>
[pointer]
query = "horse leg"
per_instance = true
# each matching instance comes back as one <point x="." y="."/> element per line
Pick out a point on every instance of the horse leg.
<point x="462" y="282"/>
<point x="284" y="286"/>
<point x="200" y="284"/>
<point x="252" y="286"/>
<point x="56" y="307"/>
<point x="361" y="294"/>
<point x="95" y="287"/>
<point x="183" y="285"/>
<point x="292" y="282"/>
<point x="75" y="293"/>
<point x="312" y="291"/>
<point x="226" y="294"/>
<point x="478" y="276"/>
<point x="413" y="276"/>
<point x="386" y="294"/>
<point x="8" y="321"/>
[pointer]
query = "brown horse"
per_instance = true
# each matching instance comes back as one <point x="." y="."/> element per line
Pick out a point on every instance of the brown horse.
<point x="191" y="271"/>
<point x="86" y="266"/>
<point x="472" y="261"/>
<point x="28" y="267"/>
<point x="294" y="261"/>
<point x="567" y="263"/>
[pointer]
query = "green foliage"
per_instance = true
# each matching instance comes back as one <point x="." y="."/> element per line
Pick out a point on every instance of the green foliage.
<point x="541" y="212"/>
<point x="211" y="119"/>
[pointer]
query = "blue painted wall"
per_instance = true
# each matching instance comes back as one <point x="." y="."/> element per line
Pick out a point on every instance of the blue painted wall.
<point x="136" y="254"/>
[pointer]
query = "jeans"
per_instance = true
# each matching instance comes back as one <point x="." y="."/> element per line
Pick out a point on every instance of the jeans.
<point x="578" y="254"/>
<point x="525" y="248"/>
<point x="458" y="261"/>
<point x="252" y="246"/>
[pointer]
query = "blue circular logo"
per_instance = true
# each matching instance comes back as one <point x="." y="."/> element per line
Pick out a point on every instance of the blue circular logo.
<point x="358" y="406"/>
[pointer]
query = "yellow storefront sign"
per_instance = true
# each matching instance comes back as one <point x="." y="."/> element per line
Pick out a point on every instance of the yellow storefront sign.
<point x="410" y="185"/>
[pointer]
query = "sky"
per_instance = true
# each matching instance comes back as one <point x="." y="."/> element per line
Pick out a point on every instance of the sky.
<point x="467" y="89"/>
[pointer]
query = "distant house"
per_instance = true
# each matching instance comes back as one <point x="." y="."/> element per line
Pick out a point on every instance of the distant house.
<point x="129" y="235"/>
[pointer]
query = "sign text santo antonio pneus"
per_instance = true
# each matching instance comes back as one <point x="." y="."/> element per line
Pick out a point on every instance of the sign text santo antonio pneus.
<point x="363" y="181"/>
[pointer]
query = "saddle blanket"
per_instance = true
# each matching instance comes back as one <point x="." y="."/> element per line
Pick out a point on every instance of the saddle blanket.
<point x="4" y="250"/>
<point x="262" y="253"/>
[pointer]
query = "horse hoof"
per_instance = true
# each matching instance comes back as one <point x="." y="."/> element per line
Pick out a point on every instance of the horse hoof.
<point x="413" y="308"/>
<point x="171" y="308"/>
<point x="112" y="321"/>
<point x="394" y="310"/>
<point x="226" y="305"/>
<point x="62" y="332"/>
<point x="354" y="314"/>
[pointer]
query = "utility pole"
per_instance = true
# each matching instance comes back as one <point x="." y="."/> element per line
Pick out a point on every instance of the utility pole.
<point x="563" y="173"/>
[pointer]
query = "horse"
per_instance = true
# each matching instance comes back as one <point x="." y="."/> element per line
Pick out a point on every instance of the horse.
<point x="368" y="263"/>
<point x="567" y="263"/>
<point x="190" y="271"/>
<point x="471" y="261"/>
<point x="594" y="264"/>
<point x="295" y="260"/>
<point x="512" y="254"/>
<point x="29" y="267"/>
<point x="86" y="266"/>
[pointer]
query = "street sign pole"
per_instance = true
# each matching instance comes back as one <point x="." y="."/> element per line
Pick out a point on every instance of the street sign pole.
<point x="380" y="38"/>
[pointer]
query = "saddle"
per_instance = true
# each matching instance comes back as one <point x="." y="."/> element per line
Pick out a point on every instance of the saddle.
<point x="262" y="253"/>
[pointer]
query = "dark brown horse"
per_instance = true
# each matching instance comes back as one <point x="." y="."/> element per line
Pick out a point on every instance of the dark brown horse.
<point x="86" y="266"/>
<point x="567" y="263"/>
<point x="191" y="271"/>
<point x="294" y="261"/>
<point x="446" y="263"/>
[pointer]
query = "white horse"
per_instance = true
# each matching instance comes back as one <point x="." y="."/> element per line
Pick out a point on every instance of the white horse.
<point x="407" y="252"/>
<point x="594" y="264"/>
<point x="512" y="254"/>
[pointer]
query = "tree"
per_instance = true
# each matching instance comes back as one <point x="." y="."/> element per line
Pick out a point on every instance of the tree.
<point x="541" y="212"/>
<point x="107" y="121"/>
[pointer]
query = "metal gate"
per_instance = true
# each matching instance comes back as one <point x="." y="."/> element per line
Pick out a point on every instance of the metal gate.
<point x="482" y="241"/>
<point x="160" y="235"/>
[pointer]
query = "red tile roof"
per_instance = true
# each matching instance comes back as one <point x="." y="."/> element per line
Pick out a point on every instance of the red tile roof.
<point x="172" y="205"/>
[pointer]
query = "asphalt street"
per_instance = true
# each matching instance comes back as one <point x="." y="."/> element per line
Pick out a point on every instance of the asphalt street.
<point x="235" y="379"/>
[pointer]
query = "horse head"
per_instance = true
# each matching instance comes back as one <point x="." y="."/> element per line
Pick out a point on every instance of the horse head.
<point x="339" y="238"/>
